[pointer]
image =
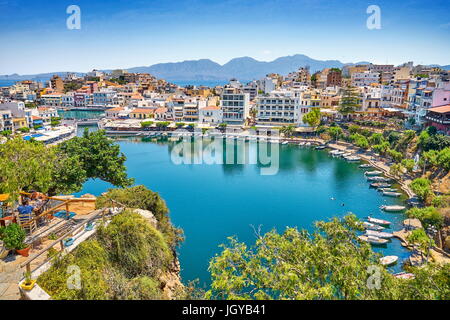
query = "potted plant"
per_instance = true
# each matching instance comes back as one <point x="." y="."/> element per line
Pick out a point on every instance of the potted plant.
<point x="28" y="283"/>
<point x="14" y="238"/>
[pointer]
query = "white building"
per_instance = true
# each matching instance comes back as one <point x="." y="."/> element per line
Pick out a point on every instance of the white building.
<point x="235" y="105"/>
<point x="363" y="79"/>
<point x="211" y="115"/>
<point x="281" y="108"/>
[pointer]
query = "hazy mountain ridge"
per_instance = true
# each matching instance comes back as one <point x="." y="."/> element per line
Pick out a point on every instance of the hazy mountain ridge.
<point x="243" y="68"/>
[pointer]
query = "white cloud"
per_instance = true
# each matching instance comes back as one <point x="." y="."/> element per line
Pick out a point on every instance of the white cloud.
<point x="267" y="52"/>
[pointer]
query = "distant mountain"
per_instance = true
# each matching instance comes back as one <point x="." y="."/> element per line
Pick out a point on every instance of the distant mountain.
<point x="244" y="68"/>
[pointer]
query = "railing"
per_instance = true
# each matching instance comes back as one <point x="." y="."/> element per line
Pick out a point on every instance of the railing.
<point x="60" y="240"/>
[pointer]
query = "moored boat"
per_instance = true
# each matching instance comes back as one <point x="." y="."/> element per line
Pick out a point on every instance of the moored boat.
<point x="391" y="194"/>
<point x="372" y="226"/>
<point x="378" y="179"/>
<point x="378" y="221"/>
<point x="394" y="208"/>
<point x="384" y="235"/>
<point x="404" y="275"/>
<point x="388" y="260"/>
<point x="373" y="240"/>
<point x="365" y="166"/>
<point x="353" y="158"/>
<point x="387" y="189"/>
<point x="373" y="173"/>
<point x="380" y="185"/>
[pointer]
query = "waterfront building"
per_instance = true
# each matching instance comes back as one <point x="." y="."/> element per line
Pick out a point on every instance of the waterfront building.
<point x="21" y="115"/>
<point x="67" y="100"/>
<point x="235" y="105"/>
<point x="6" y="122"/>
<point x="141" y="113"/>
<point x="46" y="113"/>
<point x="103" y="98"/>
<point x="280" y="108"/>
<point x="211" y="115"/>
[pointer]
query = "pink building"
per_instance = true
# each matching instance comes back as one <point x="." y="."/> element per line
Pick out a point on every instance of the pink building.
<point x="441" y="96"/>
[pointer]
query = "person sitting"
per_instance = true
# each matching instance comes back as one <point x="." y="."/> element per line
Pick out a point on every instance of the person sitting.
<point x="25" y="208"/>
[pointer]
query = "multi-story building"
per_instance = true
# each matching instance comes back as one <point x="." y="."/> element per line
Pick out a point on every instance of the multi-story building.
<point x="211" y="115"/>
<point x="280" y="108"/>
<point x="334" y="77"/>
<point x="6" y="122"/>
<point x="52" y="99"/>
<point x="366" y="78"/>
<point x="103" y="98"/>
<point x="47" y="113"/>
<point x="235" y="105"/>
<point x="57" y="84"/>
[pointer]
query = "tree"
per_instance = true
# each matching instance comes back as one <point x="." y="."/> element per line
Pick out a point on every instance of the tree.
<point x="312" y="118"/>
<point x="408" y="164"/>
<point x="429" y="216"/>
<point x="443" y="159"/>
<point x="25" y="165"/>
<point x="100" y="157"/>
<point x="396" y="169"/>
<point x="146" y="124"/>
<point x="350" y="101"/>
<point x="420" y="238"/>
<point x="288" y="130"/>
<point x="330" y="263"/>
<point x="422" y="188"/>
<point x="335" y="132"/>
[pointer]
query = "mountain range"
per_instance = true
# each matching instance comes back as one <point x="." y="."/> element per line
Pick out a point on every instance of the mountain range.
<point x="244" y="68"/>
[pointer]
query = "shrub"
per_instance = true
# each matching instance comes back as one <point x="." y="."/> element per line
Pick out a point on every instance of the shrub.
<point x="13" y="237"/>
<point x="421" y="187"/>
<point x="134" y="246"/>
<point x="428" y="216"/>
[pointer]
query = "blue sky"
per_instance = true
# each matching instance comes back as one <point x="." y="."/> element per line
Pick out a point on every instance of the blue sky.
<point x="127" y="33"/>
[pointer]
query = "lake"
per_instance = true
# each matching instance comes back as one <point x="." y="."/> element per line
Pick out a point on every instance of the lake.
<point x="213" y="202"/>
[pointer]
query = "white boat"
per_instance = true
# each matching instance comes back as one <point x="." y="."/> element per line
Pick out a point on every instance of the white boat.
<point x="301" y="144"/>
<point x="384" y="235"/>
<point x="373" y="173"/>
<point x="353" y="158"/>
<point x="404" y="275"/>
<point x="387" y="190"/>
<point x="372" y="226"/>
<point x="378" y="179"/>
<point x="380" y="185"/>
<point x="394" y="208"/>
<point x="320" y="147"/>
<point x="365" y="166"/>
<point x="346" y="155"/>
<point x="308" y="144"/>
<point x="284" y="142"/>
<point x="373" y="240"/>
<point x="388" y="260"/>
<point x="391" y="194"/>
<point x="378" y="221"/>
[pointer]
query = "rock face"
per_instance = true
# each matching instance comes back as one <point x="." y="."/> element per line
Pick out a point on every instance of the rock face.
<point x="173" y="286"/>
<point x="147" y="215"/>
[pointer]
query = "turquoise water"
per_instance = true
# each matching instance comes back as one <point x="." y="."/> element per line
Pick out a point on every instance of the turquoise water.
<point x="81" y="114"/>
<point x="213" y="202"/>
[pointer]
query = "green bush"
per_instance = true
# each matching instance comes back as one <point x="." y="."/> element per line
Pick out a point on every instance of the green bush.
<point x="92" y="260"/>
<point x="143" y="198"/>
<point x="145" y="288"/>
<point x="134" y="246"/>
<point x="421" y="187"/>
<point x="428" y="216"/>
<point x="13" y="237"/>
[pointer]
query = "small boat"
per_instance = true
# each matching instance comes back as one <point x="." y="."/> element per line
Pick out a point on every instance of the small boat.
<point x="394" y="208"/>
<point x="388" y="260"/>
<point x="373" y="240"/>
<point x="384" y="235"/>
<point x="346" y="155"/>
<point x="372" y="226"/>
<point x="378" y="179"/>
<point x="378" y="221"/>
<point x="365" y="166"/>
<point x="391" y="194"/>
<point x="320" y="147"/>
<point x="373" y="173"/>
<point x="308" y="144"/>
<point x="404" y="275"/>
<point x="387" y="189"/>
<point x="284" y="142"/>
<point x="353" y="158"/>
<point x="301" y="144"/>
<point x="380" y="185"/>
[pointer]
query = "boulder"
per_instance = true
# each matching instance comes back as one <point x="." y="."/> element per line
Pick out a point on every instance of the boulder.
<point x="148" y="215"/>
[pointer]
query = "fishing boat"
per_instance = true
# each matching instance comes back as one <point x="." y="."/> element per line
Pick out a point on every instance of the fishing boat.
<point x="353" y="158"/>
<point x="394" y="208"/>
<point x="384" y="235"/>
<point x="387" y="189"/>
<point x="378" y="179"/>
<point x="404" y="275"/>
<point x="372" y="226"/>
<point x="284" y="142"/>
<point x="365" y="166"/>
<point x="378" y="221"/>
<point x="373" y="240"/>
<point x="391" y="194"/>
<point x="373" y="173"/>
<point x="388" y="260"/>
<point x="380" y="185"/>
